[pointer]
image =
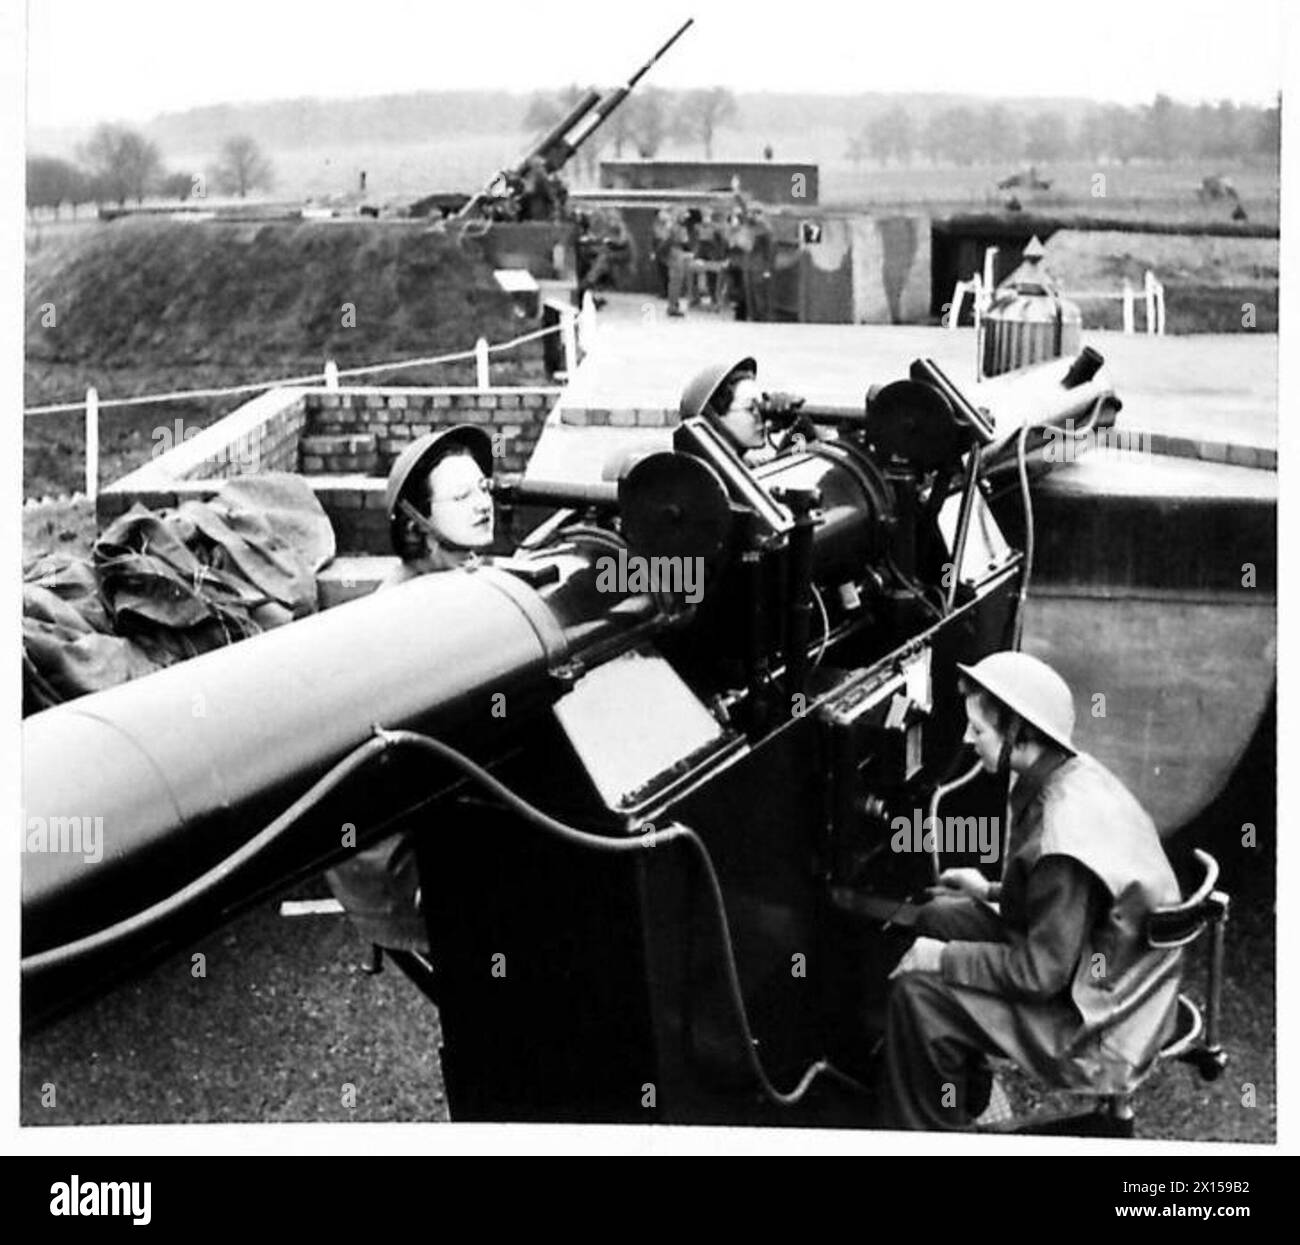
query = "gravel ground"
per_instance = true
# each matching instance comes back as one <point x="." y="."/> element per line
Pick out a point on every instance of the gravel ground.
<point x="285" y="1020"/>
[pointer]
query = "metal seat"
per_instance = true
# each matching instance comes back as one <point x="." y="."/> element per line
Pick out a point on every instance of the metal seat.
<point x="1196" y="1041"/>
<point x="1195" y="1036"/>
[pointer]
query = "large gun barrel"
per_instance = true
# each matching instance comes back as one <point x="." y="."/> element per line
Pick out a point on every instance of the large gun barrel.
<point x="615" y="98"/>
<point x="174" y="772"/>
<point x="551" y="146"/>
<point x="559" y="144"/>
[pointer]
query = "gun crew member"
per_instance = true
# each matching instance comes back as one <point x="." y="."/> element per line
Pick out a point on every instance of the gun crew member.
<point x="540" y="195"/>
<point x="674" y="249"/>
<point x="1058" y="978"/>
<point x="751" y="250"/>
<point x="440" y="516"/>
<point x="728" y="396"/>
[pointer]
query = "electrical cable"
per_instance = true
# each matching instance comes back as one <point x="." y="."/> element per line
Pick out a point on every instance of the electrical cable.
<point x="933" y="811"/>
<point x="1022" y="471"/>
<point x="826" y="625"/>
<point x="381" y="744"/>
<point x="913" y="587"/>
<point x="202" y="886"/>
<point x="1027" y="505"/>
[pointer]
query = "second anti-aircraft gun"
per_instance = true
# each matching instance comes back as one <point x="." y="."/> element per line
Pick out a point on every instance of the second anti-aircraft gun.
<point x="530" y="190"/>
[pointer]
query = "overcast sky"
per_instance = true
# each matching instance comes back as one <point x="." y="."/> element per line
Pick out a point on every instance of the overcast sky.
<point x="90" y="60"/>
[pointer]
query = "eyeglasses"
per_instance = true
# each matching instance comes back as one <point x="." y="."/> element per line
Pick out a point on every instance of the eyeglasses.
<point x="483" y="486"/>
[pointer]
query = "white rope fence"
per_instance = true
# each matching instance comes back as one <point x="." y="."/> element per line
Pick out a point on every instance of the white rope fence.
<point x="576" y="327"/>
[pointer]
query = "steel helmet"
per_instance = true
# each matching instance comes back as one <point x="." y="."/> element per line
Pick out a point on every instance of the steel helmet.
<point x="418" y="458"/>
<point x="1031" y="689"/>
<point x="703" y="387"/>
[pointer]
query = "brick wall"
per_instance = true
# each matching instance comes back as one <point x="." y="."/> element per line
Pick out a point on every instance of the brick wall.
<point x="363" y="430"/>
<point x="270" y="446"/>
<point x="344" y="441"/>
<point x="262" y="435"/>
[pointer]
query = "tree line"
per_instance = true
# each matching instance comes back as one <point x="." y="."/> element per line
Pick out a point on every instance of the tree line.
<point x="117" y="164"/>
<point x="1162" y="130"/>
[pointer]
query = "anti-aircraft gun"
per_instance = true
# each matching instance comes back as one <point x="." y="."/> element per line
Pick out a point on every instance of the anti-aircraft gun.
<point x="654" y="765"/>
<point x="504" y="196"/>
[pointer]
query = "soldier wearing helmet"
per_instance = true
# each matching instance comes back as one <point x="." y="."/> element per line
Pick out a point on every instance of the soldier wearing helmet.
<point x="728" y="396"/>
<point x="674" y="234"/>
<point x="1058" y="977"/>
<point x="440" y="517"/>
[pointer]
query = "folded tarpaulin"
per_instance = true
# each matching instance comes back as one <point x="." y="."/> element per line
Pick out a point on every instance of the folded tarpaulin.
<point x="162" y="586"/>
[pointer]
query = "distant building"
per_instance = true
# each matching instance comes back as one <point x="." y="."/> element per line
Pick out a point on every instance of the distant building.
<point x="764" y="181"/>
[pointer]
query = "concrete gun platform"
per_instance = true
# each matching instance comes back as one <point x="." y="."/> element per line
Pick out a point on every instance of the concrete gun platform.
<point x="1209" y="396"/>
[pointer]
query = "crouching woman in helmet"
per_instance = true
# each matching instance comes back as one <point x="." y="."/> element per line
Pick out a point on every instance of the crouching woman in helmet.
<point x="440" y="517"/>
<point x="1058" y="977"/>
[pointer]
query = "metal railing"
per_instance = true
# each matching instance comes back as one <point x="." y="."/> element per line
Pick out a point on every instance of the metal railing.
<point x="981" y="288"/>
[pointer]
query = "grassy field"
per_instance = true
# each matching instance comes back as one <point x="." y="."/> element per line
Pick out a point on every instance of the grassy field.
<point x="399" y="172"/>
<point x="1161" y="191"/>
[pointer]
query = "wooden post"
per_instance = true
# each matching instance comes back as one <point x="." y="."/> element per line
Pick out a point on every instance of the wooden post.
<point x="990" y="253"/>
<point x="483" y="377"/>
<point x="331" y="374"/>
<point x="954" y="308"/>
<point x="92" y="443"/>
<point x="569" y="340"/>
<point x="1128" y="306"/>
<point x="1149" y="293"/>
<point x="587" y="323"/>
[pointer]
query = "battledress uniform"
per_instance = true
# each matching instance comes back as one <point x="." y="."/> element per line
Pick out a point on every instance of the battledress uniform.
<point x="679" y="251"/>
<point x="1060" y="980"/>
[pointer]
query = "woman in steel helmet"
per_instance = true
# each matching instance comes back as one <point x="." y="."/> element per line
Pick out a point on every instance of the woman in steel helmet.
<point x="1059" y="977"/>
<point x="728" y="396"/>
<point x="439" y="501"/>
<point x="439" y="507"/>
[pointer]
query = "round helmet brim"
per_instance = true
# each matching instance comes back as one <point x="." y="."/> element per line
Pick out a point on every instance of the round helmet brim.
<point x="1025" y="711"/>
<point x="704" y="385"/>
<point x="419" y="457"/>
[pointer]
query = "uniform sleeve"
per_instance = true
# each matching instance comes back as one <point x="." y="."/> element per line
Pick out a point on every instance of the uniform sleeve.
<point x="1063" y="899"/>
